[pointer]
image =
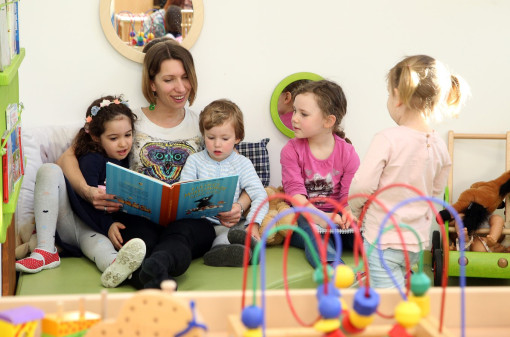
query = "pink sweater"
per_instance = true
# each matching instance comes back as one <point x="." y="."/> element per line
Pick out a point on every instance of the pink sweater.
<point x="401" y="155"/>
<point x="303" y="174"/>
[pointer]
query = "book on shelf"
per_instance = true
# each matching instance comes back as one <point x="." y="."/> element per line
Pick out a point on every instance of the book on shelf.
<point x="10" y="28"/>
<point x="163" y="203"/>
<point x="5" y="50"/>
<point x="16" y="27"/>
<point x="12" y="163"/>
<point x="11" y="116"/>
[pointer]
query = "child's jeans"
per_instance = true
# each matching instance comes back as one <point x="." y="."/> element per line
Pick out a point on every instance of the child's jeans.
<point x="395" y="261"/>
<point x="298" y="241"/>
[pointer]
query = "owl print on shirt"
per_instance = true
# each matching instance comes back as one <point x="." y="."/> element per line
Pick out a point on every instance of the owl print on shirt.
<point x="165" y="160"/>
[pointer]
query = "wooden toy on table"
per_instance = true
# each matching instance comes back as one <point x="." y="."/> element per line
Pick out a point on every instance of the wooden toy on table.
<point x="68" y="324"/>
<point x="153" y="312"/>
<point x="21" y="321"/>
<point x="335" y="318"/>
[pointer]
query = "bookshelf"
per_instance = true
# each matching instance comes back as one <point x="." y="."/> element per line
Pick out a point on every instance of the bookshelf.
<point x="9" y="93"/>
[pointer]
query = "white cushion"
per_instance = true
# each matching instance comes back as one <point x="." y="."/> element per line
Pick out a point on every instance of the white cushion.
<point x="40" y="145"/>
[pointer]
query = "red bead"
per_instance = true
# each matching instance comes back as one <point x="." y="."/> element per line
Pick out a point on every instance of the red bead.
<point x="398" y="331"/>
<point x="348" y="327"/>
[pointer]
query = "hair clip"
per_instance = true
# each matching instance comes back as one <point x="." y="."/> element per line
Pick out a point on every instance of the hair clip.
<point x="94" y="110"/>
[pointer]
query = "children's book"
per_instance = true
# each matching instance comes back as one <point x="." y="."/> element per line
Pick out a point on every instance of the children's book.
<point x="163" y="203"/>
<point x="11" y="162"/>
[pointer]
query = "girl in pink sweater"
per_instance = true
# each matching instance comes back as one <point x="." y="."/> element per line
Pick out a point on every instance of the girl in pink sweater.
<point x="319" y="161"/>
<point x="420" y="88"/>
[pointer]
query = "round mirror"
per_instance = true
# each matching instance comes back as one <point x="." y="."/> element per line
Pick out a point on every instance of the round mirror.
<point x="123" y="24"/>
<point x="281" y="101"/>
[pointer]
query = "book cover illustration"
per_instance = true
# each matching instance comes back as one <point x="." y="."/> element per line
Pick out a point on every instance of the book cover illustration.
<point x="162" y="203"/>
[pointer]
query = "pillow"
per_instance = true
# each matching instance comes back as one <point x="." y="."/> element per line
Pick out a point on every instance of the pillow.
<point x="40" y="145"/>
<point x="257" y="153"/>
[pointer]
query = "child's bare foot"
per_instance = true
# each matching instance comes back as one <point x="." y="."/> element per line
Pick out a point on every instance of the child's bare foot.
<point x="452" y="246"/>
<point x="494" y="245"/>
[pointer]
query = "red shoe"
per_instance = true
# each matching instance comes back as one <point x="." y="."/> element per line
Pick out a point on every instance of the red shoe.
<point x="34" y="265"/>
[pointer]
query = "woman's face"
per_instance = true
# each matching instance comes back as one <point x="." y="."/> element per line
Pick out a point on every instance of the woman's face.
<point x="171" y="85"/>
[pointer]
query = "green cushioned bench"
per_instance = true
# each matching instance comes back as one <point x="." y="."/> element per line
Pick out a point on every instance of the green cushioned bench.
<point x="80" y="275"/>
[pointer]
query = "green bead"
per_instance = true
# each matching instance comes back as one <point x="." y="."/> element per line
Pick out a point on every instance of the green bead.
<point x="318" y="274"/>
<point x="420" y="283"/>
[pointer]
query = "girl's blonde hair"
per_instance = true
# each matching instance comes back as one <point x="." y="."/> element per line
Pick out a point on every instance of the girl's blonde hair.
<point x="424" y="84"/>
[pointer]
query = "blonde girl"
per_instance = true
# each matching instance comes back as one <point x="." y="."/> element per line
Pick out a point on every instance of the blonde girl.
<point x="420" y="89"/>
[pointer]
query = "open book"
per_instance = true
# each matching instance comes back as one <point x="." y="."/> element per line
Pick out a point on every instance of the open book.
<point x="163" y="203"/>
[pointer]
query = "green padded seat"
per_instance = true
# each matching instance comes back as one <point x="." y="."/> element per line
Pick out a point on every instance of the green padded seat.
<point x="80" y="275"/>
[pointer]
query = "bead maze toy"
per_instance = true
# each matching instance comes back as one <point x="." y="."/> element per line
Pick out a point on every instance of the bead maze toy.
<point x="477" y="264"/>
<point x="334" y="317"/>
<point x="332" y="309"/>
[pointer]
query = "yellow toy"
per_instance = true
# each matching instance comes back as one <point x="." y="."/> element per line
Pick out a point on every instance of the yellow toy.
<point x="20" y="321"/>
<point x="73" y="323"/>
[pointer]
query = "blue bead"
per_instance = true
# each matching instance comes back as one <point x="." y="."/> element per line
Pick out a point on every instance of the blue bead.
<point x="332" y="290"/>
<point x="364" y="305"/>
<point x="252" y="317"/>
<point x="330" y="306"/>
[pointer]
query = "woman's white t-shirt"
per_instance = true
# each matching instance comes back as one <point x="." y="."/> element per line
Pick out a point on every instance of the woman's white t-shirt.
<point x="162" y="152"/>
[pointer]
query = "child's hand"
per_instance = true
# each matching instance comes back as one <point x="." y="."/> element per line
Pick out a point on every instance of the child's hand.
<point x="115" y="236"/>
<point x="255" y="231"/>
<point x="344" y="219"/>
<point x="232" y="217"/>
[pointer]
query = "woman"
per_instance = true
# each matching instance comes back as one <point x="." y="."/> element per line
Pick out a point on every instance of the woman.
<point x="167" y="133"/>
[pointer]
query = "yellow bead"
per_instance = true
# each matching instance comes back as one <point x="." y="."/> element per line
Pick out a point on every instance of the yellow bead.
<point x="326" y="325"/>
<point x="344" y="276"/>
<point x="408" y="314"/>
<point x="360" y="321"/>
<point x="253" y="332"/>
<point x="423" y="302"/>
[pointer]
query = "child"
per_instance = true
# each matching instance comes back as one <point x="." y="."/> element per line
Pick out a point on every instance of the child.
<point x="285" y="102"/>
<point x="419" y="88"/>
<point x="173" y="23"/>
<point x="221" y="124"/>
<point x="319" y="161"/>
<point x="479" y="243"/>
<point x="62" y="216"/>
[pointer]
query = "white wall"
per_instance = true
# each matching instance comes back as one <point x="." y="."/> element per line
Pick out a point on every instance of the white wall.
<point x="247" y="47"/>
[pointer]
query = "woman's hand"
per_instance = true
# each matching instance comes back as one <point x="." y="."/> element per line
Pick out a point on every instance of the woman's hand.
<point x="232" y="217"/>
<point x="101" y="200"/>
<point x="115" y="236"/>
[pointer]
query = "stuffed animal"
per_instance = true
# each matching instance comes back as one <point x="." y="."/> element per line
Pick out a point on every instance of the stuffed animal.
<point x="479" y="201"/>
<point x="26" y="241"/>
<point x="276" y="206"/>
